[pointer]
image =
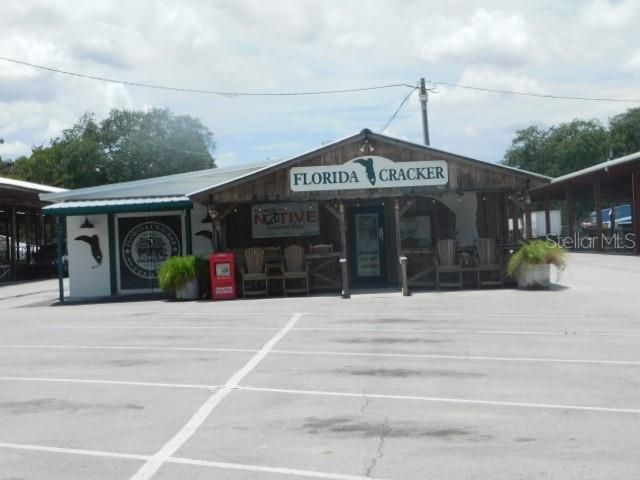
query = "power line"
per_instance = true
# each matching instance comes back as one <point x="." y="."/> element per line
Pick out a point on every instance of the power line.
<point x="201" y="91"/>
<point x="536" y="95"/>
<point x="395" y="114"/>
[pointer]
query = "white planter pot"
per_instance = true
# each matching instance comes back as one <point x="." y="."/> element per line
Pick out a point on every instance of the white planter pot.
<point x="189" y="291"/>
<point x="534" y="276"/>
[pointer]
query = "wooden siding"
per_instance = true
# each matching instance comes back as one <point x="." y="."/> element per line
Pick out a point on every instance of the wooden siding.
<point x="464" y="175"/>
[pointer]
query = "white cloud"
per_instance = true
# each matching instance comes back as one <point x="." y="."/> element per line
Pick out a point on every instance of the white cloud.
<point x="12" y="150"/>
<point x="605" y="14"/>
<point x="540" y="46"/>
<point x="634" y="62"/>
<point x="492" y="37"/>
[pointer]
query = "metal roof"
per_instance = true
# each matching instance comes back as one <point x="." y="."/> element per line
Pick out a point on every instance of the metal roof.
<point x="146" y="204"/>
<point x="28" y="186"/>
<point x="176" y="185"/>
<point x="616" y="162"/>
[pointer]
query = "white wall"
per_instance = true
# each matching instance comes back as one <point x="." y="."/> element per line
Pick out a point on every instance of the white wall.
<point x="86" y="277"/>
<point x="201" y="245"/>
<point x="464" y="207"/>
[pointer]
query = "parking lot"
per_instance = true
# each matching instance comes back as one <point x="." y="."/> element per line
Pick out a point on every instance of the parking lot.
<point x="492" y="384"/>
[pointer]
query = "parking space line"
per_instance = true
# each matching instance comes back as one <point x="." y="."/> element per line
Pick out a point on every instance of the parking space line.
<point x="334" y="354"/>
<point x="72" y="451"/>
<point x="464" y="401"/>
<point x="258" y="468"/>
<point x="188" y="461"/>
<point x="570" y="333"/>
<point x="110" y="382"/>
<point x="130" y="347"/>
<point x="456" y="357"/>
<point x="152" y="465"/>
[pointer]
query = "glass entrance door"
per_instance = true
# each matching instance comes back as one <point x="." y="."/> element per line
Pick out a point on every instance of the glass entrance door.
<point x="368" y="262"/>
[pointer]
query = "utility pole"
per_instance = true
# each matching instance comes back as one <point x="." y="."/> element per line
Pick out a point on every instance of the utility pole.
<point x="424" y="95"/>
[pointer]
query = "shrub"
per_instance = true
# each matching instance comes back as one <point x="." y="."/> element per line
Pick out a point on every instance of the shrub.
<point x="178" y="270"/>
<point x="537" y="252"/>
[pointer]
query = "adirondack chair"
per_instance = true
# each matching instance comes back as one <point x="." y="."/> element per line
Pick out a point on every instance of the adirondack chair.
<point x="321" y="248"/>
<point x="447" y="265"/>
<point x="295" y="271"/>
<point x="254" y="277"/>
<point x="490" y="268"/>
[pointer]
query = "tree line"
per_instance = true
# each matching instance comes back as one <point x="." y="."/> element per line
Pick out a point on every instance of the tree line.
<point x="571" y="146"/>
<point x="127" y="145"/>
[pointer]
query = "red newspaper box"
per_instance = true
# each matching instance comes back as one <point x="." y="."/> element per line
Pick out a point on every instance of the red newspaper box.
<point x="223" y="276"/>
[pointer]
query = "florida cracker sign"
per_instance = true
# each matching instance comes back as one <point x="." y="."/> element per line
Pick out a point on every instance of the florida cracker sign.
<point x="368" y="172"/>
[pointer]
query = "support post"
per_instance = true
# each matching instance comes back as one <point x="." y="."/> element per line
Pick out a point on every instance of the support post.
<point x="571" y="220"/>
<point x="403" y="276"/>
<point x="7" y="238"/>
<point x="113" y="269"/>
<point x="13" y="259"/>
<point x="597" y="195"/>
<point x="59" y="254"/>
<point x="28" y="219"/>
<point x="343" y="252"/>
<point x="396" y="210"/>
<point x="527" y="216"/>
<point x="635" y="188"/>
<point x="514" y="220"/>
<point x="547" y="213"/>
<point x="187" y="229"/>
<point x="504" y="218"/>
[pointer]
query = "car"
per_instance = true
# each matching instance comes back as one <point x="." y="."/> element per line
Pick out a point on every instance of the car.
<point x="45" y="260"/>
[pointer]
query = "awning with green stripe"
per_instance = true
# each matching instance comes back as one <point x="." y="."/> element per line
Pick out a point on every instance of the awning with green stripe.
<point x="119" y="205"/>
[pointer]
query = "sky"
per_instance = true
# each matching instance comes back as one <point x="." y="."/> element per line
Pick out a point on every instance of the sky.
<point x="572" y="48"/>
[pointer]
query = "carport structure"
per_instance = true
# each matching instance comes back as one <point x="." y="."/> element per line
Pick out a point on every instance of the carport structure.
<point x="23" y="228"/>
<point x="606" y="184"/>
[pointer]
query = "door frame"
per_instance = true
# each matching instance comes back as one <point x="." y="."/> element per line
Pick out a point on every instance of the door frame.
<point x="356" y="281"/>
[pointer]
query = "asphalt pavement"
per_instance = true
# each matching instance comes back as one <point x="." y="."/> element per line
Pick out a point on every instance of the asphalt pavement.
<point x="491" y="384"/>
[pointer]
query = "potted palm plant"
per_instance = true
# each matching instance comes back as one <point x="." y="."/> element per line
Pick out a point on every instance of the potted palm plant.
<point x="179" y="275"/>
<point x="530" y="265"/>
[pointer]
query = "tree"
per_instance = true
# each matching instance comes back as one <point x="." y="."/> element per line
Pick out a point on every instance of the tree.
<point x="127" y="145"/>
<point x="155" y="142"/>
<point x="625" y="132"/>
<point x="560" y="149"/>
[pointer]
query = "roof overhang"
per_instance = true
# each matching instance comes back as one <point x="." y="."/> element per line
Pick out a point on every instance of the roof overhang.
<point x="123" y="205"/>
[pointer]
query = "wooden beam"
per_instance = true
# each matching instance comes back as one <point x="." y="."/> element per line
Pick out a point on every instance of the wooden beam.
<point x="505" y="219"/>
<point x="635" y="188"/>
<point x="397" y="216"/>
<point x="547" y="213"/>
<point x="527" y="216"/>
<point x="332" y="210"/>
<point x="408" y="204"/>
<point x="226" y="212"/>
<point x="13" y="259"/>
<point x="571" y="219"/>
<point x="597" y="195"/>
<point x="343" y="252"/>
<point x="514" y="220"/>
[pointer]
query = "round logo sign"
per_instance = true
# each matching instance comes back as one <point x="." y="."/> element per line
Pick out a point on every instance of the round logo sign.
<point x="146" y="246"/>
